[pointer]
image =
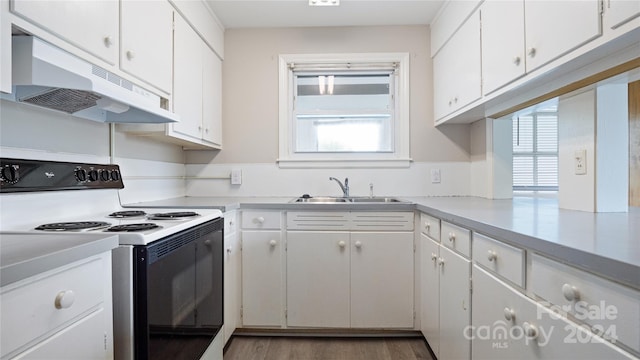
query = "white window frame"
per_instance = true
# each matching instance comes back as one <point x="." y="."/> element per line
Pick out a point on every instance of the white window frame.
<point x="398" y="157"/>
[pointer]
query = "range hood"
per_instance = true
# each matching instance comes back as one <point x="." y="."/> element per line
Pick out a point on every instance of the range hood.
<point x="49" y="77"/>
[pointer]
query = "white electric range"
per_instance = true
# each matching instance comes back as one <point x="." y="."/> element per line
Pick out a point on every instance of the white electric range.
<point x="167" y="271"/>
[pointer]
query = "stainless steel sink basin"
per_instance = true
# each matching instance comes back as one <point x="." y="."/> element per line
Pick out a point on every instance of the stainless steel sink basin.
<point x="321" y="200"/>
<point x="342" y="200"/>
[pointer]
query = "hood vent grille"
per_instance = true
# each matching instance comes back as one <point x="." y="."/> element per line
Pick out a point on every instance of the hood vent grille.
<point x="67" y="100"/>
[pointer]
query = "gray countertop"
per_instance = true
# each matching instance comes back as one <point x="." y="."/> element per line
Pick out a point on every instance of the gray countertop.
<point x="604" y="243"/>
<point x="25" y="255"/>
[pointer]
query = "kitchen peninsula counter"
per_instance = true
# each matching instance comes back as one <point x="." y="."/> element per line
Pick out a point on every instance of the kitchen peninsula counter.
<point x="607" y="244"/>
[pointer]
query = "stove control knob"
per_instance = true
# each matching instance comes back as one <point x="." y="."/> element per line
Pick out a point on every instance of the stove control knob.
<point x="10" y="174"/>
<point x="93" y="175"/>
<point x="115" y="175"/>
<point x="104" y="175"/>
<point x="81" y="174"/>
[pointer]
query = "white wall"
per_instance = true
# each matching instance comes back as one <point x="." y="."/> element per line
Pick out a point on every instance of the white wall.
<point x="250" y="117"/>
<point x="151" y="170"/>
<point x="595" y="120"/>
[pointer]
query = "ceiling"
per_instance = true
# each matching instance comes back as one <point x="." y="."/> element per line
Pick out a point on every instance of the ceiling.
<point x="298" y="13"/>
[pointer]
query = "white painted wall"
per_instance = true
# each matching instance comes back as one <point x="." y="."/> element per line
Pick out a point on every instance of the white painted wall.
<point x="268" y="180"/>
<point x="250" y="118"/>
<point x="596" y="120"/>
<point x="151" y="170"/>
<point x="491" y="159"/>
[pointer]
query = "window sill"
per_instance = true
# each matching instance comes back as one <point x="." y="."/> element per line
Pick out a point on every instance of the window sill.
<point x="343" y="164"/>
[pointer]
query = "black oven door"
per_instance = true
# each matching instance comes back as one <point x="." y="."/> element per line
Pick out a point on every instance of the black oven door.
<point x="178" y="288"/>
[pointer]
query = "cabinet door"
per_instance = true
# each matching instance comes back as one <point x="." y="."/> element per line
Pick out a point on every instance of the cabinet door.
<point x="502" y="43"/>
<point x="619" y="12"/>
<point x="508" y="325"/>
<point x="262" y="278"/>
<point x="430" y="285"/>
<point x="211" y="97"/>
<point x="146" y="30"/>
<point x="94" y="27"/>
<point x="231" y="284"/>
<point x="456" y="69"/>
<point x="382" y="261"/>
<point x="187" y="83"/>
<point x="553" y="28"/>
<point x="455" y="305"/>
<point x="318" y="279"/>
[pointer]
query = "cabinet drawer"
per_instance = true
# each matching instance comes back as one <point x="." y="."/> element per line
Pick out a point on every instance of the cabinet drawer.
<point x="382" y="221"/>
<point x="609" y="308"/>
<point x="36" y="306"/>
<point x="504" y="260"/>
<point x="456" y="238"/>
<point x="430" y="226"/>
<point x="261" y="220"/>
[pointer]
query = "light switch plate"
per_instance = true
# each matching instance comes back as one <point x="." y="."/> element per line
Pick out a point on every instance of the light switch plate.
<point x="580" y="162"/>
<point x="435" y="176"/>
<point x="236" y="177"/>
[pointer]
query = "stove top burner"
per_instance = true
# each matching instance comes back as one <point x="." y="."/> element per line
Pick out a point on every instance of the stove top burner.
<point x="127" y="214"/>
<point x="173" y="215"/>
<point x="74" y="226"/>
<point x="133" y="227"/>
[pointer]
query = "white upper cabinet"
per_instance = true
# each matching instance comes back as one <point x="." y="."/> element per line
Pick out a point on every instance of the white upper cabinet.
<point x="147" y="32"/>
<point x="503" y="56"/>
<point x="94" y="27"/>
<point x="211" y="97"/>
<point x="456" y="69"/>
<point x="619" y="12"/>
<point x="553" y="28"/>
<point x="197" y="90"/>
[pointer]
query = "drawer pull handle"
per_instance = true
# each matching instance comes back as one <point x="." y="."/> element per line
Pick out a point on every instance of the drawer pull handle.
<point x="509" y="314"/>
<point x="441" y="261"/>
<point x="434" y="257"/>
<point x="229" y="250"/>
<point x="427" y="226"/>
<point x="358" y="244"/>
<point x="65" y="299"/>
<point x="452" y="236"/>
<point x="342" y="244"/>
<point x="570" y="292"/>
<point x="492" y="255"/>
<point x="272" y="243"/>
<point x="531" y="331"/>
<point x="260" y="220"/>
<point x="108" y="41"/>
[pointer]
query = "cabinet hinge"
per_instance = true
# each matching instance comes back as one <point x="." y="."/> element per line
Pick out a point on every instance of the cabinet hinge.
<point x="602" y="7"/>
<point x="105" y="341"/>
<point x="241" y="312"/>
<point x="414" y="315"/>
<point x="414" y="248"/>
<point x="471" y="286"/>
<point x="286" y="313"/>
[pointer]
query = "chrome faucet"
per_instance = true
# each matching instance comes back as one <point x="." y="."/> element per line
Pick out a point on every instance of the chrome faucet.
<point x="345" y="187"/>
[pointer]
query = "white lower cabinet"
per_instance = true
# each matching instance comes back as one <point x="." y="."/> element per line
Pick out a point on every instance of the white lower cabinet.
<point x="455" y="305"/>
<point x="334" y="279"/>
<point x="262" y="274"/>
<point x="232" y="273"/>
<point x="65" y="313"/>
<point x="318" y="281"/>
<point x="508" y="325"/>
<point x="430" y="292"/>
<point x="351" y="279"/>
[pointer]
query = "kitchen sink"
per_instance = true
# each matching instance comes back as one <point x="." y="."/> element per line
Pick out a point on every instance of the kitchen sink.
<point x="342" y="200"/>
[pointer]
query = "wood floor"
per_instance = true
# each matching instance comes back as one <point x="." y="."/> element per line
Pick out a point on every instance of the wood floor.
<point x="325" y="348"/>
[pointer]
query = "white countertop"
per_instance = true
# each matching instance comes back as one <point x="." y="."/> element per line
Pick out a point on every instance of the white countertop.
<point x="24" y="255"/>
<point x="604" y="243"/>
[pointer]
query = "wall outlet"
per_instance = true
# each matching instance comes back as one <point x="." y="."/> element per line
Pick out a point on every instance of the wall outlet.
<point x="580" y="162"/>
<point x="236" y="177"/>
<point x="435" y="176"/>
